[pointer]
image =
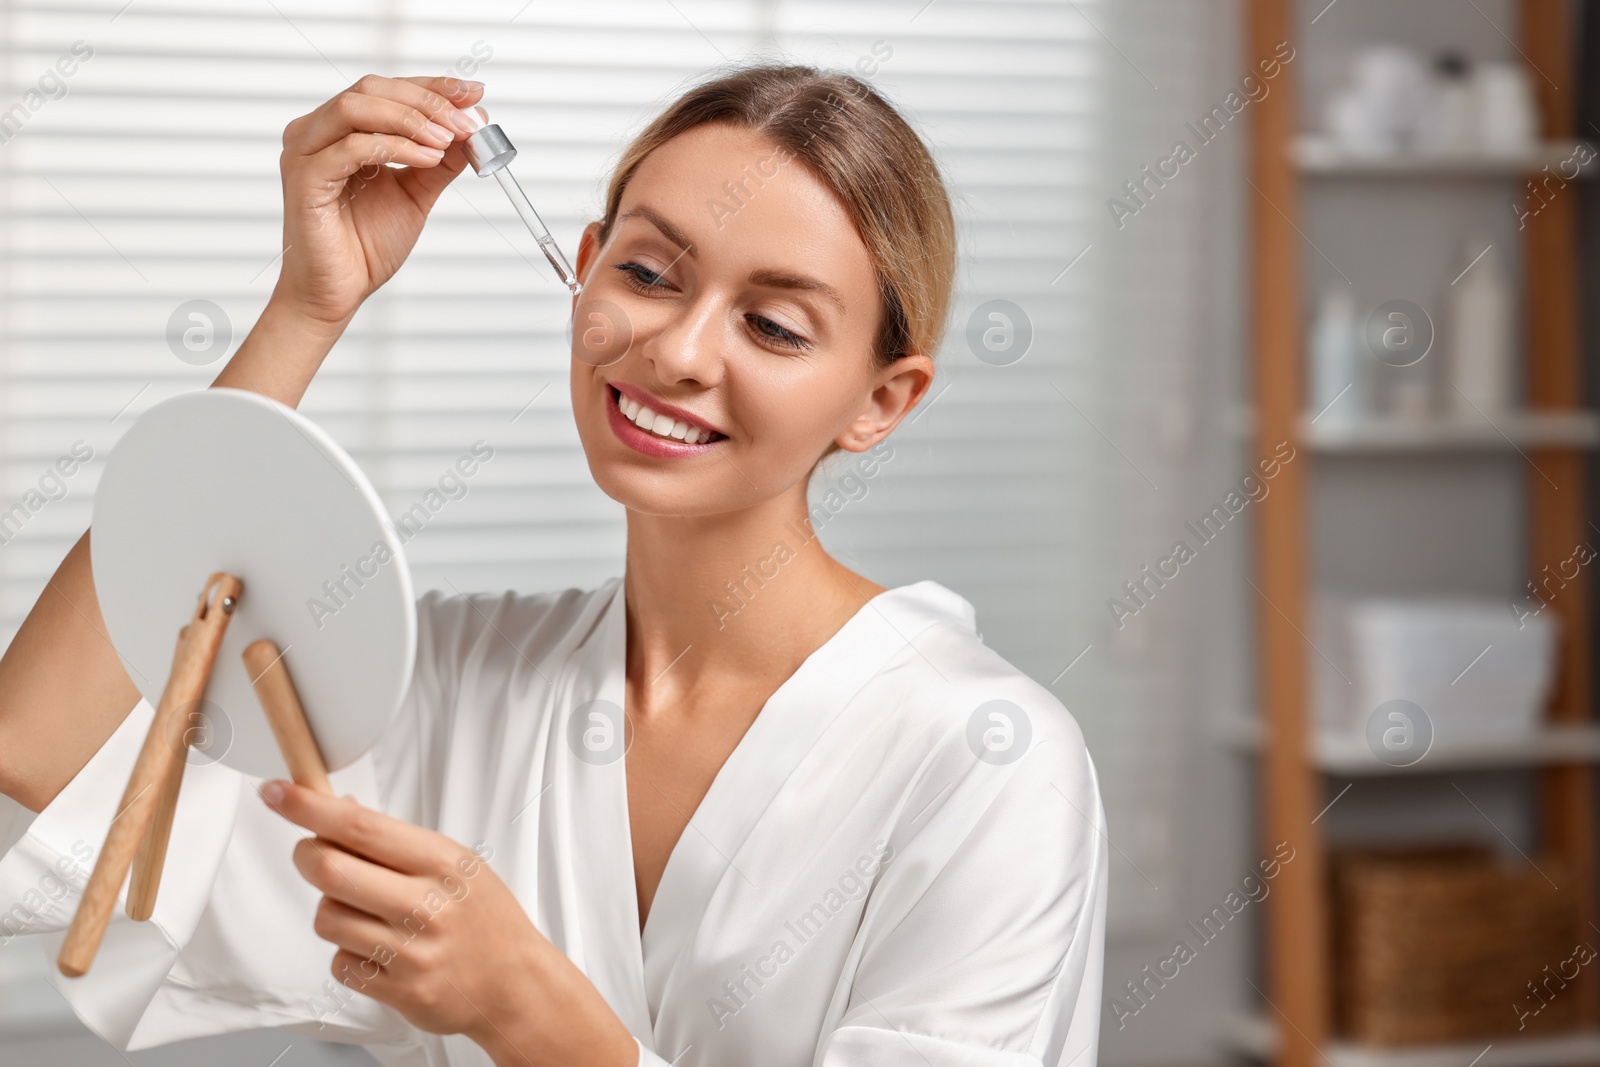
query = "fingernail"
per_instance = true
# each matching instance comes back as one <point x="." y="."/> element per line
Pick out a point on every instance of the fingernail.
<point x="272" y="792"/>
<point x="461" y="120"/>
<point x="436" y="132"/>
<point x="469" y="85"/>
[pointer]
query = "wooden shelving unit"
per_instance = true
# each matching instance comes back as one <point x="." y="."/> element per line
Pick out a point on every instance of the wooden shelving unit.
<point x="1295" y="1025"/>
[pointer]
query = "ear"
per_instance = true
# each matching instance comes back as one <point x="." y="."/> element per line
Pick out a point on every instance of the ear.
<point x="896" y="389"/>
<point x="588" y="254"/>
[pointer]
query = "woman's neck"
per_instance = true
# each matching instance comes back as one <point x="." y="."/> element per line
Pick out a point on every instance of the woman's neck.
<point x="720" y="599"/>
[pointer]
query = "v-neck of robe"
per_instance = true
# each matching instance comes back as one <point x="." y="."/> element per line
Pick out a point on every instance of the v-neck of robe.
<point x="785" y="729"/>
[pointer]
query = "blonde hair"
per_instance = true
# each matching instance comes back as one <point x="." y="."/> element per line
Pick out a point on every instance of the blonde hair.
<point x="862" y="149"/>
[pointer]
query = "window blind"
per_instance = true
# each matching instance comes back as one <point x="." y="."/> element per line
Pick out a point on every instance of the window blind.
<point x="146" y="180"/>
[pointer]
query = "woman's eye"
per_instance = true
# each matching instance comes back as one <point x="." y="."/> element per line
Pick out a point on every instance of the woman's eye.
<point x="641" y="277"/>
<point x="775" y="333"/>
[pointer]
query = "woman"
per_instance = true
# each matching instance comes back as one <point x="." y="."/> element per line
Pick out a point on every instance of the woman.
<point x="740" y="806"/>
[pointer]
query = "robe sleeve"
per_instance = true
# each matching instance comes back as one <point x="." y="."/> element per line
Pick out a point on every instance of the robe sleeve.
<point x="987" y="945"/>
<point x="230" y="946"/>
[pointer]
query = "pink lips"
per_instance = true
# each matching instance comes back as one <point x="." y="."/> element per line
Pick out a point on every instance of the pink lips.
<point x="649" y="443"/>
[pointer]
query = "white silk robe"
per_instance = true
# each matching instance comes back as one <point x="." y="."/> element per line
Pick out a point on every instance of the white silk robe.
<point x="885" y="872"/>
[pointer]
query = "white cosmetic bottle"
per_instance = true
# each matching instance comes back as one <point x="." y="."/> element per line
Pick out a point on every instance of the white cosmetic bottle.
<point x="1480" y="337"/>
<point x="1336" y="369"/>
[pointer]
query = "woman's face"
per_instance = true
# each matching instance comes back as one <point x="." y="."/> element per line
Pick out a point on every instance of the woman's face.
<point x="736" y="301"/>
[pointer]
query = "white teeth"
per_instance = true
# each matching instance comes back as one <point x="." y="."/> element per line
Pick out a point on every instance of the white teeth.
<point x="658" y="424"/>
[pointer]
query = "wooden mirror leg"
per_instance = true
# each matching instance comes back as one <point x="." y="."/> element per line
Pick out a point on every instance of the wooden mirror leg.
<point x="152" y="855"/>
<point x="270" y="677"/>
<point x="191" y="669"/>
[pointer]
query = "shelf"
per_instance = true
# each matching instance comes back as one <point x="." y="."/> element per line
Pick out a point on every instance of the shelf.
<point x="1320" y="155"/>
<point x="1256" y="1037"/>
<point x="1517" y="429"/>
<point x="1344" y="754"/>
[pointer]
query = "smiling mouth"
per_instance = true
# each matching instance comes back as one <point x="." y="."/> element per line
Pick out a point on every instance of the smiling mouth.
<point x="663" y="426"/>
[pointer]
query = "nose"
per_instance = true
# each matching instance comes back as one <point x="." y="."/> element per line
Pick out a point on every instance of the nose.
<point x="688" y="344"/>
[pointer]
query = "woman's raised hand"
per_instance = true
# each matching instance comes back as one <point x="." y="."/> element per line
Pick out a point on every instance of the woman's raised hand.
<point x="349" y="221"/>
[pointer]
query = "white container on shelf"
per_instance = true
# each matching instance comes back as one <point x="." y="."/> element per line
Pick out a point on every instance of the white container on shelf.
<point x="1450" y="126"/>
<point x="1508" y="116"/>
<point x="1386" y="94"/>
<point x="1469" y="663"/>
<point x="1336" y="364"/>
<point x="1479" y="336"/>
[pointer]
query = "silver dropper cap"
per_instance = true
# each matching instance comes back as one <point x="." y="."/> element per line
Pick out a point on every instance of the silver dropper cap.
<point x="489" y="149"/>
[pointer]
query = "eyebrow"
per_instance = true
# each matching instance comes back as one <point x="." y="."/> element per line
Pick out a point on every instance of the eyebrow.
<point x="776" y="279"/>
<point x="659" y="221"/>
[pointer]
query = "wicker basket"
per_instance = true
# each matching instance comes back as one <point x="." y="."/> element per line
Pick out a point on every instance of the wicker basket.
<point x="1440" y="945"/>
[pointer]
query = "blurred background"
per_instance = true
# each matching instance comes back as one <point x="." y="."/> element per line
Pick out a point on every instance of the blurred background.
<point x="1261" y="436"/>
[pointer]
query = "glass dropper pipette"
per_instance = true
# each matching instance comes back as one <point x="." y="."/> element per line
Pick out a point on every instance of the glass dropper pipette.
<point x="490" y="151"/>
